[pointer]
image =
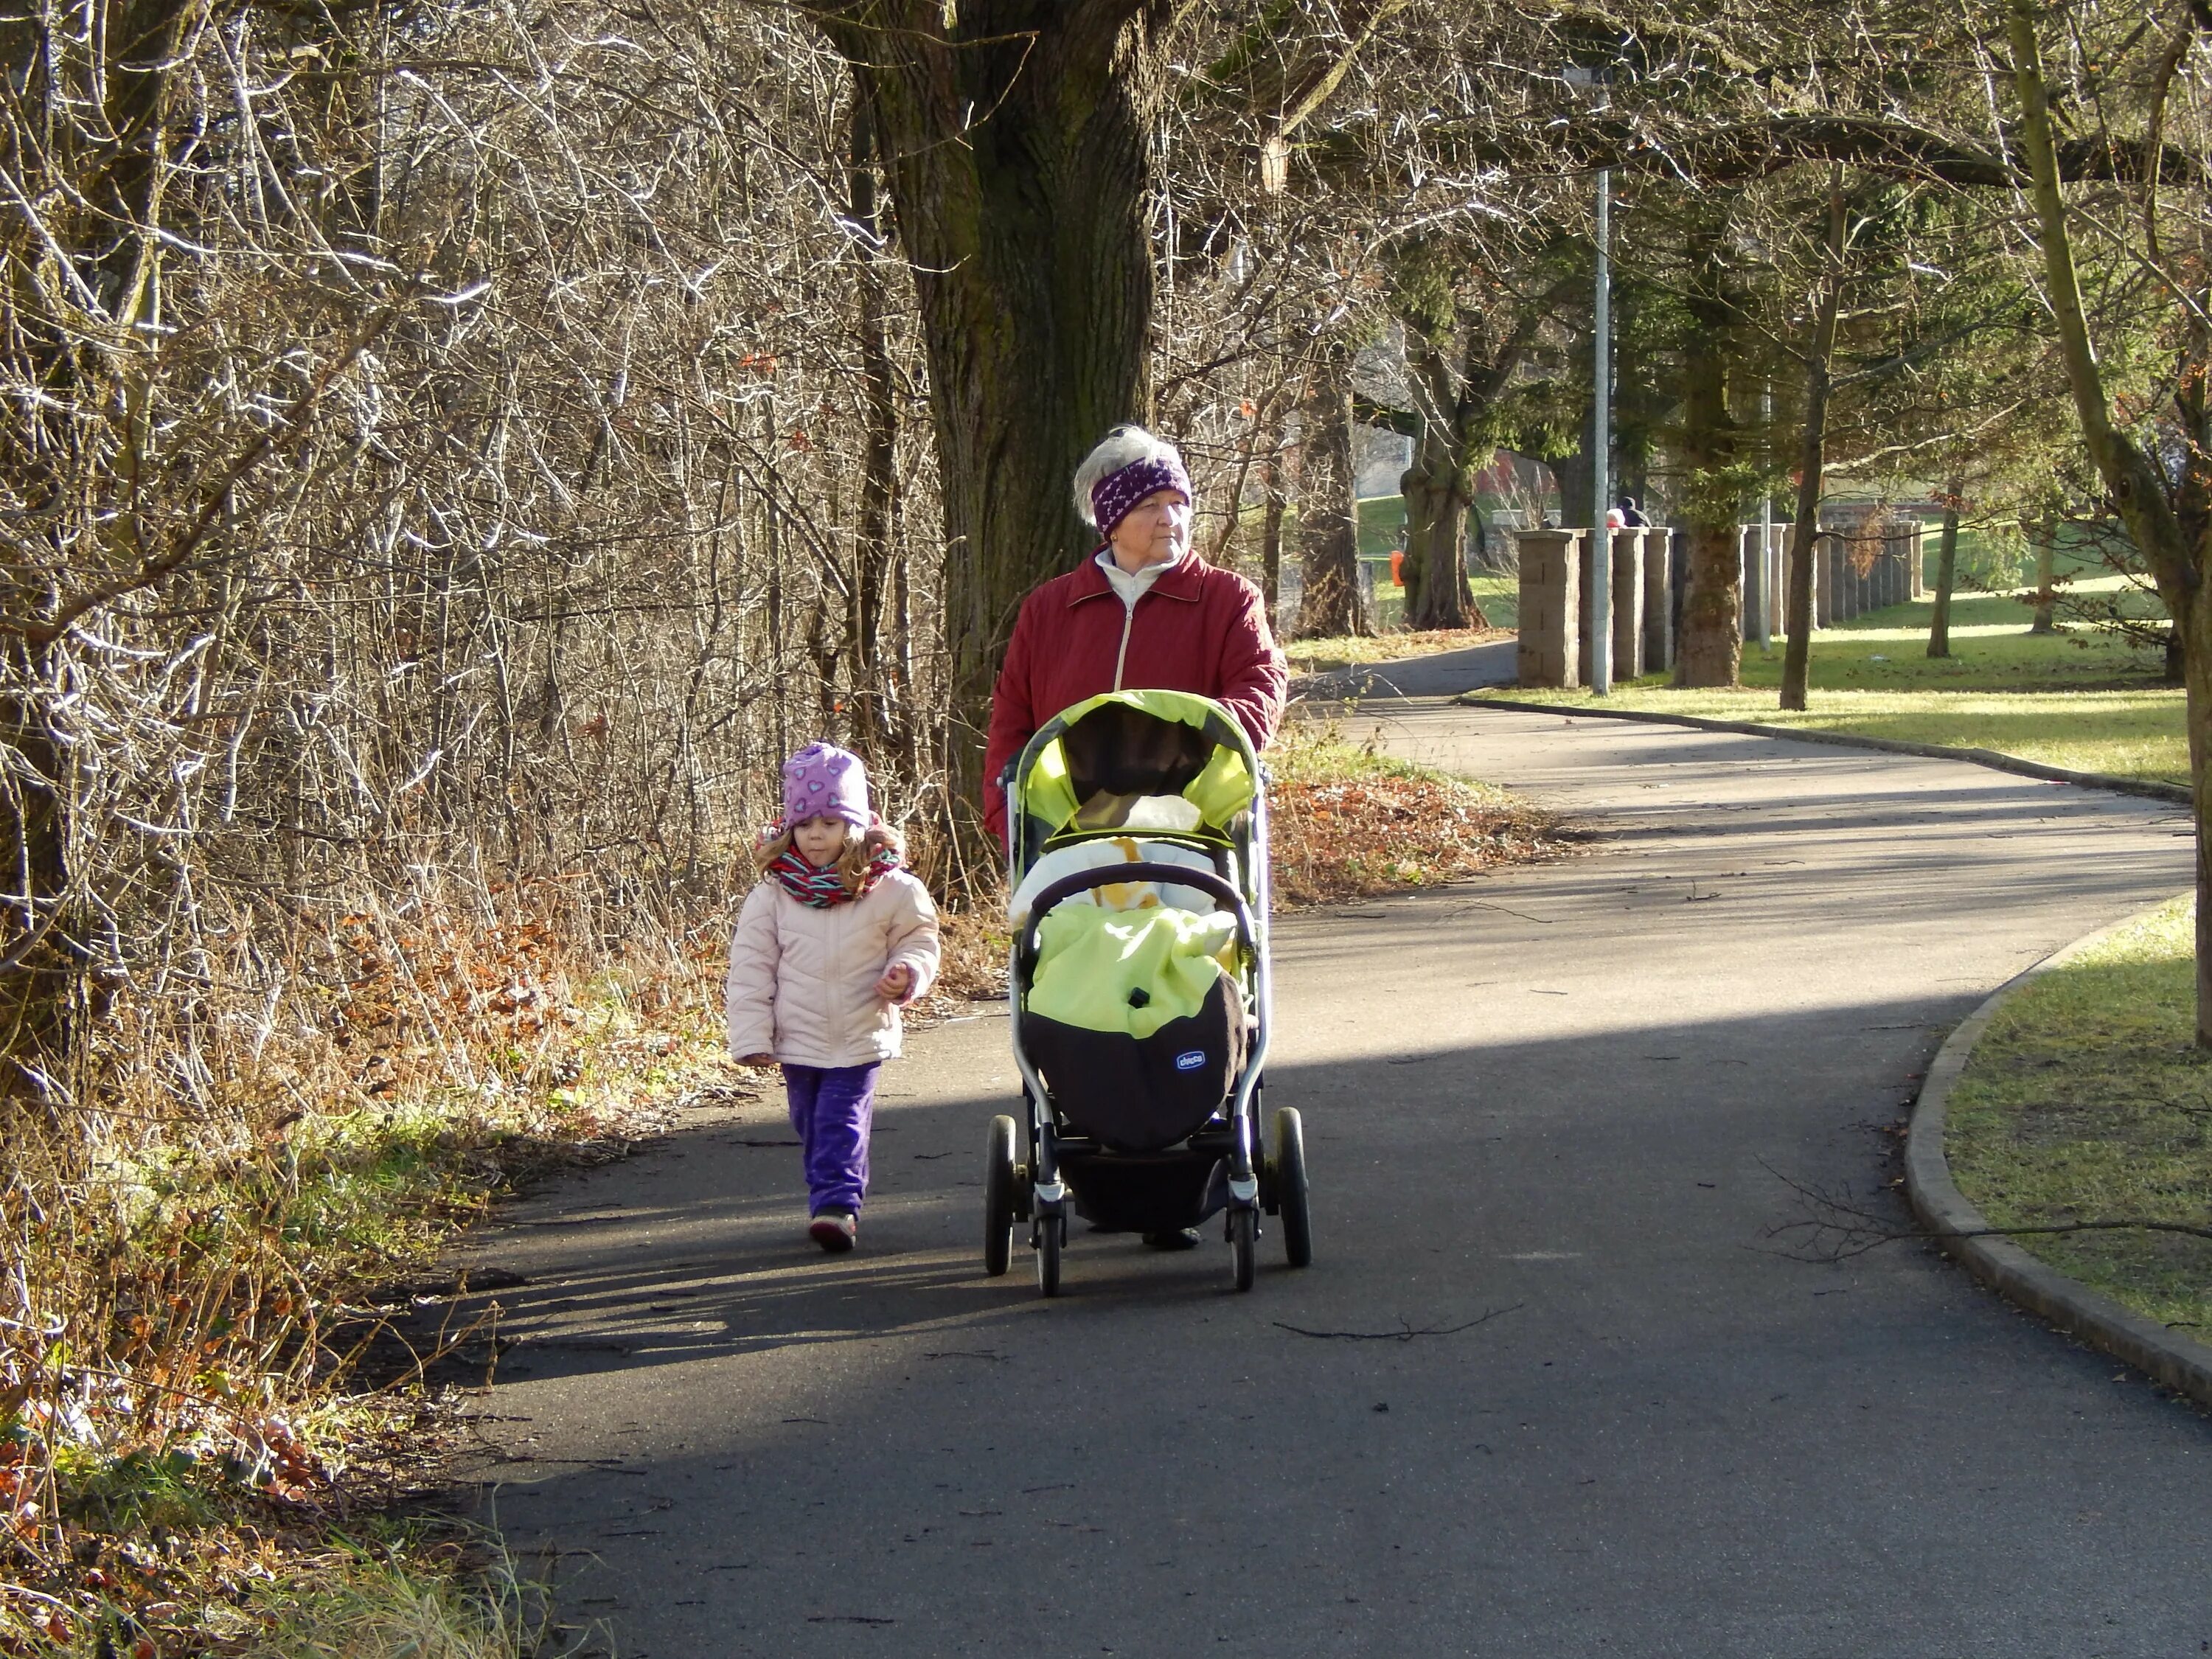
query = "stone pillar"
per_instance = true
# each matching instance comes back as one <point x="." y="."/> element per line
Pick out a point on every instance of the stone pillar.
<point x="1627" y="603"/>
<point x="1915" y="558"/>
<point x="1551" y="601"/>
<point x="1658" y="599"/>
<point x="1824" y="590"/>
<point x="1839" y="579"/>
<point x="1777" y="560"/>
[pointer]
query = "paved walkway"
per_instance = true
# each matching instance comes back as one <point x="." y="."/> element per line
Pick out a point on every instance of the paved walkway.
<point x="1550" y="1117"/>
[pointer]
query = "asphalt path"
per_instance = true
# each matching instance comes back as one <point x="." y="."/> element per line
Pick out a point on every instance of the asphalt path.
<point x="1554" y="1385"/>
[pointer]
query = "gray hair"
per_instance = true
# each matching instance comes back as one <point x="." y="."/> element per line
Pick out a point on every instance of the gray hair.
<point x="1116" y="450"/>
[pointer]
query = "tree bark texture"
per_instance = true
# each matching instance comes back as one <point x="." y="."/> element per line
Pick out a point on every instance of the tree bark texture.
<point x="1812" y="458"/>
<point x="1333" y="603"/>
<point x="1947" y="573"/>
<point x="1015" y="136"/>
<point x="1711" y="647"/>
<point x="2046" y="575"/>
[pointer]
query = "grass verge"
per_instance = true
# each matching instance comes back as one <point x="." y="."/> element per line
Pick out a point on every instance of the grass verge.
<point x="2087" y="1099"/>
<point x="1320" y="656"/>
<point x="2078" y="698"/>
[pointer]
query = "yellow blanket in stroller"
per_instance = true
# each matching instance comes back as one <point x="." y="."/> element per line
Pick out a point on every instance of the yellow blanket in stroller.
<point x="1129" y="971"/>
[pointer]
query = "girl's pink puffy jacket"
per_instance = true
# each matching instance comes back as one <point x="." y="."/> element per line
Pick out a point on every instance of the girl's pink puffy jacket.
<point x="803" y="980"/>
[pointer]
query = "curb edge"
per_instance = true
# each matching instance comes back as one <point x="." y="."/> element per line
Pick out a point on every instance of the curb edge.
<point x="2180" y="1363"/>
<point x="1996" y="760"/>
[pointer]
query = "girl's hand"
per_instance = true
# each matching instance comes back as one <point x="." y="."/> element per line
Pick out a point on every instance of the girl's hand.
<point x="756" y="1059"/>
<point x="893" y="986"/>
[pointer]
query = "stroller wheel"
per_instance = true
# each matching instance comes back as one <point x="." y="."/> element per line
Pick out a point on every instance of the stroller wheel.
<point x="1243" y="1244"/>
<point x="999" y="1199"/>
<point x="1290" y="1169"/>
<point x="1051" y="1228"/>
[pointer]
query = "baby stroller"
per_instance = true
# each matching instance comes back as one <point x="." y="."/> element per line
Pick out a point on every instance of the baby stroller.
<point x="1137" y="848"/>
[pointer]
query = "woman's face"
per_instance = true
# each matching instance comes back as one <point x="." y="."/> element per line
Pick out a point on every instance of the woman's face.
<point x="1157" y="530"/>
<point x="819" y="840"/>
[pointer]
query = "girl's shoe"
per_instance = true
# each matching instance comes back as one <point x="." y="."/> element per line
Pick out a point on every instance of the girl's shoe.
<point x="834" y="1231"/>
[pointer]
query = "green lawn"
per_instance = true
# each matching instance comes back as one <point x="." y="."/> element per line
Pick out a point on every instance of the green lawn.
<point x="2079" y="698"/>
<point x="2087" y="1099"/>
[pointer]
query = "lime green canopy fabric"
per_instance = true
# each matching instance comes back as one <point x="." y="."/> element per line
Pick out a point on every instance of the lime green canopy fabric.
<point x="1223" y="789"/>
<point x="1089" y="960"/>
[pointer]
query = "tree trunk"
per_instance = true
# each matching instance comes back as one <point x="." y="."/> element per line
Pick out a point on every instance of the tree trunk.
<point x="2046" y="575"/>
<point x="1333" y="603"/>
<point x="1017" y="139"/>
<point x="1446" y="600"/>
<point x="2176" y="553"/>
<point x="1947" y="573"/>
<point x="1812" y="457"/>
<point x="1711" y="647"/>
<point x="35" y="968"/>
<point x="873" y="552"/>
<point x="1270" y="532"/>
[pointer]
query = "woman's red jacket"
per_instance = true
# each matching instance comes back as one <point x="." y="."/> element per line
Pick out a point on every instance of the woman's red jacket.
<point x="1199" y="628"/>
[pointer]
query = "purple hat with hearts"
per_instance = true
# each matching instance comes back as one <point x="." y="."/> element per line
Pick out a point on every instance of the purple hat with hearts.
<point x="825" y="780"/>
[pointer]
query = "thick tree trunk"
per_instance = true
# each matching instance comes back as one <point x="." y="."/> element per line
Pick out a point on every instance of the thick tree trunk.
<point x="1017" y="144"/>
<point x="1446" y="601"/>
<point x="1711" y="647"/>
<point x="1333" y="603"/>
<point x="1947" y="573"/>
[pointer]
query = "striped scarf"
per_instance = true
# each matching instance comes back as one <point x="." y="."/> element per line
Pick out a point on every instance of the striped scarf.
<point x="823" y="888"/>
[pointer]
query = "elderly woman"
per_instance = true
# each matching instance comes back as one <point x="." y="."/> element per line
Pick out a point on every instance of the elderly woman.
<point x="1143" y="612"/>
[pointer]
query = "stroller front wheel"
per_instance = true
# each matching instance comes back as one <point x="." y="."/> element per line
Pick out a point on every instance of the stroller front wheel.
<point x="998" y="1197"/>
<point x="1244" y="1245"/>
<point x="1289" y="1165"/>
<point x="1051" y="1228"/>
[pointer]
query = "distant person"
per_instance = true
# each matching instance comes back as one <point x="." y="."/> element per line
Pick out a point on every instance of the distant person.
<point x="1632" y="516"/>
<point x="834" y="941"/>
<point x="1143" y="612"/>
<point x="1615" y="519"/>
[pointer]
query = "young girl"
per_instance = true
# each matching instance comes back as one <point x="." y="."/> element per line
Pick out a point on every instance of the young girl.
<point x="832" y="942"/>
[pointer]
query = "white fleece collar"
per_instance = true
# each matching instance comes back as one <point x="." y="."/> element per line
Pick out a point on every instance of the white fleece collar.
<point x="1133" y="585"/>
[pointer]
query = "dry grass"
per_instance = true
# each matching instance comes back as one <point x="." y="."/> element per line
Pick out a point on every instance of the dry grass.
<point x="192" y="1247"/>
<point x="1321" y="655"/>
<point x="1349" y="822"/>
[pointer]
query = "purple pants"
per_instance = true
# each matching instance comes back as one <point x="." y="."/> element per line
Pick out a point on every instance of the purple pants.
<point x="830" y="1108"/>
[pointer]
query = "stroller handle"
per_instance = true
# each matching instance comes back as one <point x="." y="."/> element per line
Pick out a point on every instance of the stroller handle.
<point x="1114" y="875"/>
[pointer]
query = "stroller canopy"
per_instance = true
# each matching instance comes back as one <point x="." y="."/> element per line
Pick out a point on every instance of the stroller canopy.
<point x="1124" y="760"/>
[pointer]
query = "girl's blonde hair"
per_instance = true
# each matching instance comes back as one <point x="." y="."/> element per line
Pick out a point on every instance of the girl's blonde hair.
<point x="860" y="846"/>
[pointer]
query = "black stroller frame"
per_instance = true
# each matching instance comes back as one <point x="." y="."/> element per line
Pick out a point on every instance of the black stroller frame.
<point x="1222" y="1165"/>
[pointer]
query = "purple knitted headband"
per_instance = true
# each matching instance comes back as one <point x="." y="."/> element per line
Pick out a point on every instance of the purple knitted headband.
<point x="1115" y="495"/>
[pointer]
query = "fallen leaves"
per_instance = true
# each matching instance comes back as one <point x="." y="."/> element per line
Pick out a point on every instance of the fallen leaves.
<point x="1352" y="838"/>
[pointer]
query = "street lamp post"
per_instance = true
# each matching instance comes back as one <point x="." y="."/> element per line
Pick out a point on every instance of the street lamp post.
<point x="1600" y="670"/>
